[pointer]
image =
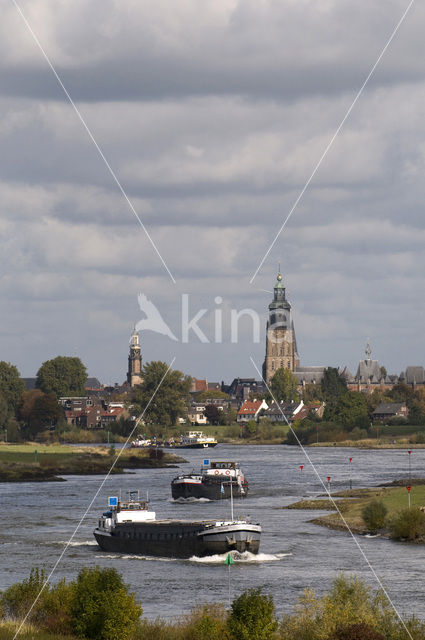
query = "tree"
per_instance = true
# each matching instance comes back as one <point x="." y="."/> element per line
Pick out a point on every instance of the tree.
<point x="63" y="376"/>
<point x="252" y="616"/>
<point x="374" y="514"/>
<point x="162" y="396"/>
<point x="284" y="385"/>
<point x="333" y="385"/>
<point x="401" y="393"/>
<point x="348" y="409"/>
<point x="228" y="417"/>
<point x="357" y="631"/>
<point x="39" y="410"/>
<point x="212" y="414"/>
<point x="312" y="392"/>
<point x="416" y="414"/>
<point x="408" y="524"/>
<point x="4" y="410"/>
<point x="103" y="608"/>
<point x="11" y="386"/>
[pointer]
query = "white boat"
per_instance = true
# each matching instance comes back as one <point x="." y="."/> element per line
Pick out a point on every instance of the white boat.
<point x="196" y="440"/>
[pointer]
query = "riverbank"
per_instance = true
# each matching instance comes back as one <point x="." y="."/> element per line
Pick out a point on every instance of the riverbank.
<point x="351" y="503"/>
<point x="371" y="443"/>
<point x="34" y="462"/>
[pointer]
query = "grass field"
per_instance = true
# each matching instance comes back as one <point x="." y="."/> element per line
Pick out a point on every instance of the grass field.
<point x="350" y="503"/>
<point x="38" y="462"/>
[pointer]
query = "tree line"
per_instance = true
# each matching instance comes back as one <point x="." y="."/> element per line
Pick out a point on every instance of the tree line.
<point x="98" y="605"/>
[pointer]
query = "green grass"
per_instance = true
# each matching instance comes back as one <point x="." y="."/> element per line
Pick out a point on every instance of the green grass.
<point x="352" y="503"/>
<point x="21" y="463"/>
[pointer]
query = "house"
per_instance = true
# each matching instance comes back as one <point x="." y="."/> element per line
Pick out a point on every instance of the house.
<point x="77" y="403"/>
<point x="198" y="385"/>
<point x="112" y="414"/>
<point x="316" y="407"/>
<point x="196" y="414"/>
<point x="250" y="410"/>
<point x="241" y="388"/>
<point x="387" y="410"/>
<point x="283" y="411"/>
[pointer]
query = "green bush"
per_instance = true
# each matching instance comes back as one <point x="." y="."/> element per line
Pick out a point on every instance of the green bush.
<point x="18" y="599"/>
<point x="102" y="608"/>
<point x="49" y="608"/>
<point x="157" y="630"/>
<point x="408" y="524"/>
<point x="374" y="514"/>
<point x="252" y="616"/>
<point x="358" y="434"/>
<point x="208" y="622"/>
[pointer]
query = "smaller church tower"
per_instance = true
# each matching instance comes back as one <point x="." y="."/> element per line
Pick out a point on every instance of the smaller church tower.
<point x="281" y="345"/>
<point x="134" y="374"/>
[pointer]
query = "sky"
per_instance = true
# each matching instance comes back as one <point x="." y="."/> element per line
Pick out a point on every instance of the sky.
<point x="212" y="116"/>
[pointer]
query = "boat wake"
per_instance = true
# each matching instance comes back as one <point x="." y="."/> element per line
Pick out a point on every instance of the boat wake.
<point x="241" y="558"/>
<point x="121" y="556"/>
<point x="188" y="500"/>
<point x="76" y="543"/>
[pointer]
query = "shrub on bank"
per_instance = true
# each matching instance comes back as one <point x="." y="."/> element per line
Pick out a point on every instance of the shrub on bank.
<point x="374" y="514"/>
<point x="99" y="606"/>
<point x="252" y="617"/>
<point x="102" y="608"/>
<point x="408" y="524"/>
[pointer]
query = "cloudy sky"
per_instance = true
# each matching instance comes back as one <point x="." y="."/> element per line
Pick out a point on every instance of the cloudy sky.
<point x="213" y="116"/>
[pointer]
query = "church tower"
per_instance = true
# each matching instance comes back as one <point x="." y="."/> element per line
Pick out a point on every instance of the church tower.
<point x="134" y="374"/>
<point x="281" y="344"/>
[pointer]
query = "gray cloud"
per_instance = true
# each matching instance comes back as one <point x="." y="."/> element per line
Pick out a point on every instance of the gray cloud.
<point x="213" y="120"/>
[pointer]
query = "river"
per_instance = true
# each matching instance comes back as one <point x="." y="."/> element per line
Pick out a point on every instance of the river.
<point x="38" y="518"/>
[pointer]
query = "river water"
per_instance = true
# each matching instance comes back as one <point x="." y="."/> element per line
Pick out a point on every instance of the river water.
<point x="38" y="518"/>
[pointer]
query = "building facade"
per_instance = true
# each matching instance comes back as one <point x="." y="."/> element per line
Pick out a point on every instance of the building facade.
<point x="281" y="344"/>
<point x="134" y="373"/>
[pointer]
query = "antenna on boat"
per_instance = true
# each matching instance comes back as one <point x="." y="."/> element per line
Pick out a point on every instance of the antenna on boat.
<point x="147" y="496"/>
<point x="231" y="498"/>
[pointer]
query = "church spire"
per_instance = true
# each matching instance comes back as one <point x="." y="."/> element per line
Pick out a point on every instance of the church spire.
<point x="368" y="350"/>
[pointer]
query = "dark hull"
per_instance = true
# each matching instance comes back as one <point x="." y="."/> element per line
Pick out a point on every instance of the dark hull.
<point x="176" y="539"/>
<point x="197" y="445"/>
<point x="210" y="490"/>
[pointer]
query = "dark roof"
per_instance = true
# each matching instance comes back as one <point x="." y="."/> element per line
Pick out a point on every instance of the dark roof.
<point x="92" y="383"/>
<point x="368" y="371"/>
<point x="309" y="374"/>
<point x="415" y="375"/>
<point x="282" y="407"/>
<point x="389" y="407"/>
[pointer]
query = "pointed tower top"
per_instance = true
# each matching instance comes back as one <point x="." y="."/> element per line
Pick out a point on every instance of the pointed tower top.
<point x="279" y="275"/>
<point x="368" y="350"/>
